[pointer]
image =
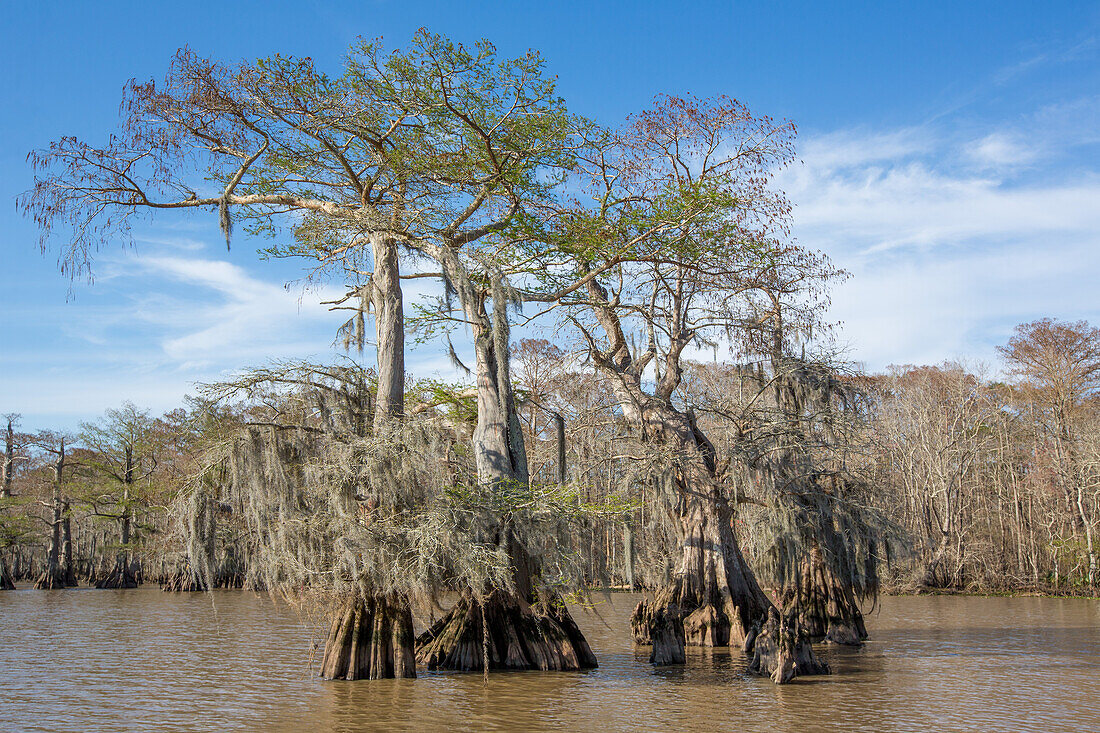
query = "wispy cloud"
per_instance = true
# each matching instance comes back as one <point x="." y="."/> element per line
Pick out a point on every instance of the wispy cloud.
<point x="158" y="322"/>
<point x="948" y="246"/>
<point x="1001" y="150"/>
<point x="224" y="314"/>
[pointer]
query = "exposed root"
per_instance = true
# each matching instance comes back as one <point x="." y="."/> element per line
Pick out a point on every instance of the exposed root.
<point x="514" y="635"/>
<point x="370" y="639"/>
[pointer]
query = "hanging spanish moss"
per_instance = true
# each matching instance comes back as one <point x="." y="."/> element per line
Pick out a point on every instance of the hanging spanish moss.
<point x="369" y="523"/>
<point x="813" y="533"/>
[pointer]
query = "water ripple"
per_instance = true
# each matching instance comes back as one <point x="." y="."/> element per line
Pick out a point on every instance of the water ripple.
<point x="146" y="660"/>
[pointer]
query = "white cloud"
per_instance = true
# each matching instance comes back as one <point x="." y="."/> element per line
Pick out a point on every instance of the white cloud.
<point x="883" y="208"/>
<point x="926" y="309"/>
<point x="947" y="250"/>
<point x="156" y="324"/>
<point x="186" y="244"/>
<point x="1001" y="149"/>
<point x="844" y="149"/>
<point x="245" y="316"/>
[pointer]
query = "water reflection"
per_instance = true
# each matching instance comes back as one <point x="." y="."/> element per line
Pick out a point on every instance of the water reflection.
<point x="146" y="660"/>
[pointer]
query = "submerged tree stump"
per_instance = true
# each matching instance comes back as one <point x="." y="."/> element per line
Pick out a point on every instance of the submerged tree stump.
<point x="506" y="632"/>
<point x="370" y="639"/>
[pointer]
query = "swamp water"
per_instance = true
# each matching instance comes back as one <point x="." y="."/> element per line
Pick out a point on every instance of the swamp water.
<point x="82" y="660"/>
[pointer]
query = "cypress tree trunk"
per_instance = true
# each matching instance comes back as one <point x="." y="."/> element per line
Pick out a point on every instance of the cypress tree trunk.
<point x="823" y="606"/>
<point x="53" y="576"/>
<point x="628" y="556"/>
<point x="9" y="461"/>
<point x="7" y="582"/>
<point x="389" y="326"/>
<point x="508" y="629"/>
<point x="122" y="575"/>
<point x="512" y="631"/>
<point x="369" y="640"/>
<point x="371" y="636"/>
<point x="67" y="546"/>
<point x="509" y="633"/>
<point x="714" y="598"/>
<point x="783" y="652"/>
<point x="1089" y="548"/>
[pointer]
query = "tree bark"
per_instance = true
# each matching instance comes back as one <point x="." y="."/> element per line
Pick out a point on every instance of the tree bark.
<point x="369" y="640"/>
<point x="514" y="636"/>
<point x="1089" y="548"/>
<point x="122" y="575"/>
<point x="67" y="545"/>
<point x="371" y="636"/>
<point x="714" y="599"/>
<point x="389" y="325"/>
<point x="7" y="582"/>
<point x="822" y="606"/>
<point x="54" y="576"/>
<point x="782" y="652"/>
<point x="9" y="461"/>
<point x="628" y="557"/>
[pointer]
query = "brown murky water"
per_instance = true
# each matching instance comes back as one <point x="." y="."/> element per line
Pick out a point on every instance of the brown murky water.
<point x="144" y="660"/>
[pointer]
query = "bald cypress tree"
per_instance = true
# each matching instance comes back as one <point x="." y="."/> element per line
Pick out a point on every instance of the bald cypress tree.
<point x="682" y="245"/>
<point x="432" y="145"/>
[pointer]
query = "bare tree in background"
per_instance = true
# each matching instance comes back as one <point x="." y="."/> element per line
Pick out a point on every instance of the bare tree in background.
<point x="1061" y="360"/>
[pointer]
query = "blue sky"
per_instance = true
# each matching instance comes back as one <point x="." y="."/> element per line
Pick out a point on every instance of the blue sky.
<point x="950" y="160"/>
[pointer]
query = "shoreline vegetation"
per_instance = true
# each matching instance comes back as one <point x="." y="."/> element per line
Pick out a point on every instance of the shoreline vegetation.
<point x="617" y="453"/>
<point x="1084" y="594"/>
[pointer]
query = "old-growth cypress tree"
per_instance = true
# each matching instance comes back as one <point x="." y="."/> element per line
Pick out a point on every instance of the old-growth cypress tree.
<point x="431" y="146"/>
